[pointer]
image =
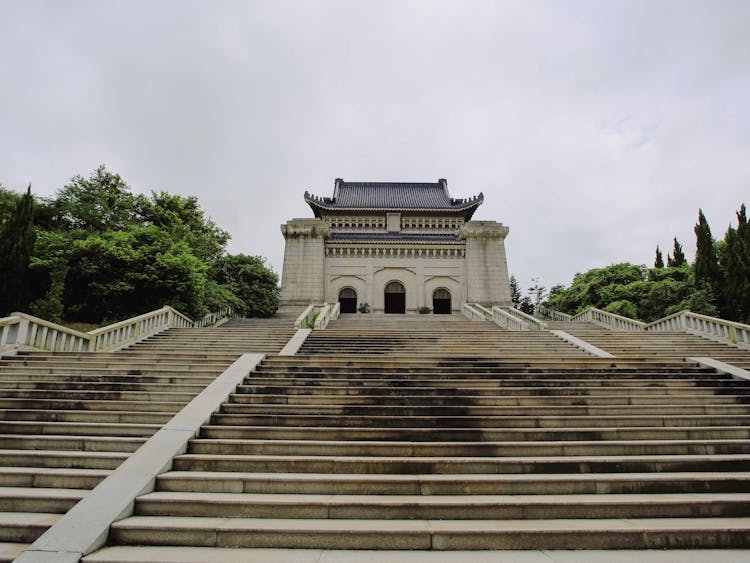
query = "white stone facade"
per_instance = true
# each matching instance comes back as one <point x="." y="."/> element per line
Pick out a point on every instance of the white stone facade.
<point x="425" y="250"/>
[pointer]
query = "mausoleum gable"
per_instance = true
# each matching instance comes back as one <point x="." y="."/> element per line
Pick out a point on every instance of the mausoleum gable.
<point x="393" y="196"/>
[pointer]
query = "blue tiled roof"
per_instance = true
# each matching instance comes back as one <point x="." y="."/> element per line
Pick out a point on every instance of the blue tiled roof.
<point x="393" y="237"/>
<point x="427" y="196"/>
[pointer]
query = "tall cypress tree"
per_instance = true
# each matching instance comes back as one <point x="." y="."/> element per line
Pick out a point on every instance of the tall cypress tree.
<point x="707" y="271"/>
<point x="678" y="256"/>
<point x="736" y="265"/>
<point x="16" y="246"/>
<point x="659" y="261"/>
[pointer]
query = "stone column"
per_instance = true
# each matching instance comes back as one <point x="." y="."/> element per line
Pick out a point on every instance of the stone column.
<point x="303" y="274"/>
<point x="487" y="281"/>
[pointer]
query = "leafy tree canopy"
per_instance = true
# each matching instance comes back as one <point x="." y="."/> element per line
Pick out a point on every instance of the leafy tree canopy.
<point x="103" y="254"/>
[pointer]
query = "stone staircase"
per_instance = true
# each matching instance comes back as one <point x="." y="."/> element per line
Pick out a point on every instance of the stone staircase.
<point x="433" y="335"/>
<point x="665" y="345"/>
<point x="68" y="419"/>
<point x="470" y="439"/>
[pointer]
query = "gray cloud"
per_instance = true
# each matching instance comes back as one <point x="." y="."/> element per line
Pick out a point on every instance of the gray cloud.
<point x="595" y="129"/>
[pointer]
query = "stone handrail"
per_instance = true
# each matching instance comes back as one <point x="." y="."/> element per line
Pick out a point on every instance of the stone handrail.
<point x="212" y="319"/>
<point x="533" y="322"/>
<point x="23" y="331"/>
<point x="305" y="317"/>
<point x="472" y="313"/>
<point x="684" y="321"/>
<point x="551" y="314"/>
<point x="129" y="331"/>
<point x="336" y="311"/>
<point x="482" y="309"/>
<point x="324" y="316"/>
<point x="736" y="333"/>
<point x="26" y="331"/>
<point x="504" y="319"/>
<point x="608" y="320"/>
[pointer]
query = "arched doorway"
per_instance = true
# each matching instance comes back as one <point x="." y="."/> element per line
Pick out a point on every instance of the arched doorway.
<point x="348" y="300"/>
<point x="441" y="301"/>
<point x="395" y="298"/>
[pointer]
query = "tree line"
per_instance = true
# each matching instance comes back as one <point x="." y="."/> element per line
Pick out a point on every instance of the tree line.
<point x="96" y="253"/>
<point x="717" y="283"/>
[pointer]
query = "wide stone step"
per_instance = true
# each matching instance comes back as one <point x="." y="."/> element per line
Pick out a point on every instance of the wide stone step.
<point x="94" y="395"/>
<point x="324" y="403"/>
<point x="447" y="484"/>
<point x="25" y="527"/>
<point x="92" y="405"/>
<point x="49" y="500"/>
<point x="453" y="507"/>
<point x="545" y="419"/>
<point x="78" y="429"/>
<point x="51" y="477"/>
<point x="412" y="465"/>
<point x="473" y="434"/>
<point x="87" y="416"/>
<point x="61" y="459"/>
<point x="376" y="412"/>
<point x="651" y="533"/>
<point x="448" y="449"/>
<point x="76" y="443"/>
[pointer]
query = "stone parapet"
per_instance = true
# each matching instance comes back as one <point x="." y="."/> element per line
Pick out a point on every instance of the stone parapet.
<point x="486" y="265"/>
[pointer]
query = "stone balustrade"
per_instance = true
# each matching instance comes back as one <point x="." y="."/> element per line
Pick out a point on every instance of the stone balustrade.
<point x="551" y="314"/>
<point x="608" y="320"/>
<point x="503" y="318"/>
<point x="23" y="331"/>
<point x="533" y="322"/>
<point x="472" y="313"/>
<point x="736" y="333"/>
<point x="684" y="321"/>
<point x="305" y="317"/>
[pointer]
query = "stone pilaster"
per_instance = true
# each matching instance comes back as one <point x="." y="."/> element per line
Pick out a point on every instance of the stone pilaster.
<point x="487" y="281"/>
<point x="302" y="278"/>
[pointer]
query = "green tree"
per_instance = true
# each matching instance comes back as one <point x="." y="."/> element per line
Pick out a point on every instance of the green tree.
<point x="515" y="292"/>
<point x="659" y="261"/>
<point x="100" y="202"/>
<point x="251" y="281"/>
<point x="678" y="256"/>
<point x="735" y="262"/>
<point x="707" y="271"/>
<point x="16" y="246"/>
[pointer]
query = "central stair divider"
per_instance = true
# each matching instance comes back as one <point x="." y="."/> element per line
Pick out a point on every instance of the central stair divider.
<point x="86" y="526"/>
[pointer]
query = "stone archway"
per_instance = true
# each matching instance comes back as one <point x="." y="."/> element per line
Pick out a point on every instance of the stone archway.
<point x="441" y="301"/>
<point x="348" y="300"/>
<point x="395" y="298"/>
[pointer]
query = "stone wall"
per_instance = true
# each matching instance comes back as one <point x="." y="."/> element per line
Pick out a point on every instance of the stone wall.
<point x="486" y="265"/>
<point x="302" y="278"/>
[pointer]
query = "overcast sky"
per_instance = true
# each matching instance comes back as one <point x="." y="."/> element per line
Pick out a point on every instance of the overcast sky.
<point x="595" y="129"/>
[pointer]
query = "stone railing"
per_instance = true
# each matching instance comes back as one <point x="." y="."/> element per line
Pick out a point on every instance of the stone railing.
<point x="324" y="316"/>
<point x="736" y="333"/>
<point x="608" y="320"/>
<point x="684" y="321"/>
<point x="305" y="317"/>
<point x="502" y="318"/>
<point x="551" y="314"/>
<point x="318" y="316"/>
<point x="472" y="313"/>
<point x="128" y="332"/>
<point x="215" y="319"/>
<point x="533" y="322"/>
<point x="21" y="331"/>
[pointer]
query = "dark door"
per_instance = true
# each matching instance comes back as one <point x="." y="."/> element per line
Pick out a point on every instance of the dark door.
<point x="395" y="298"/>
<point x="441" y="302"/>
<point x="348" y="300"/>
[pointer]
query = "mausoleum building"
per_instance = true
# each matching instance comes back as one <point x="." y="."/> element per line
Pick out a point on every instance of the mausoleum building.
<point x="396" y="246"/>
